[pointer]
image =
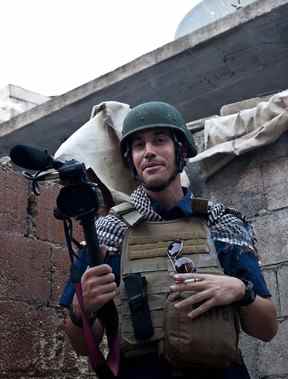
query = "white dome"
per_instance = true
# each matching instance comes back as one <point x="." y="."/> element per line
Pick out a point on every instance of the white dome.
<point x="206" y="12"/>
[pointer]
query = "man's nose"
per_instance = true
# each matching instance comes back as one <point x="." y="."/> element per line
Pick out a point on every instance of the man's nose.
<point x="149" y="150"/>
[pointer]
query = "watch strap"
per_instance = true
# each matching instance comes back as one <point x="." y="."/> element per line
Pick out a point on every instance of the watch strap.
<point x="249" y="295"/>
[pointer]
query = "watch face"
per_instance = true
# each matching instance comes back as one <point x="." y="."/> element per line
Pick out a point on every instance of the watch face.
<point x="249" y="295"/>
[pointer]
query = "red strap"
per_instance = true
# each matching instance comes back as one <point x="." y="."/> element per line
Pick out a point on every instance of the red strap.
<point x="96" y="358"/>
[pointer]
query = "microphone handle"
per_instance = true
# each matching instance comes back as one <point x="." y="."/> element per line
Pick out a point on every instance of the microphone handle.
<point x="88" y="224"/>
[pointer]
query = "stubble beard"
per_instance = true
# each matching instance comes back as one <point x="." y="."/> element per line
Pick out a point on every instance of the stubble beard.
<point x="157" y="187"/>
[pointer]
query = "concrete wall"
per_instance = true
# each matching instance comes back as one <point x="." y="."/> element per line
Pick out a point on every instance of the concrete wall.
<point x="256" y="183"/>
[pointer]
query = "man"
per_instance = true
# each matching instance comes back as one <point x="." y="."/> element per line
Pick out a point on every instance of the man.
<point x="155" y="145"/>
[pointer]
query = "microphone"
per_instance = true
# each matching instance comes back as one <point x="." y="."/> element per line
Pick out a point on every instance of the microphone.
<point x="31" y="158"/>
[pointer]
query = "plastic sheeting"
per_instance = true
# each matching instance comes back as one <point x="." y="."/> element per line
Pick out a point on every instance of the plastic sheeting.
<point x="229" y="136"/>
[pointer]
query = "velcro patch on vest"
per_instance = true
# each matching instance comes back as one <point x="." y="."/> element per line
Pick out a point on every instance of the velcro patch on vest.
<point x="159" y="249"/>
<point x="147" y="245"/>
<point x="151" y="240"/>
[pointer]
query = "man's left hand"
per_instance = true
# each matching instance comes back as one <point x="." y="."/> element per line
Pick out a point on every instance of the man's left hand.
<point x="209" y="291"/>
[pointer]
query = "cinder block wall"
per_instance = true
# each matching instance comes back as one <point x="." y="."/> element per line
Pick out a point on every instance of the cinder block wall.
<point x="33" y="267"/>
<point x="34" y="264"/>
<point x="257" y="184"/>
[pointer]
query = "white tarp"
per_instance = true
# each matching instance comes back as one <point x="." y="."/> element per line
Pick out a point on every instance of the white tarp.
<point x="96" y="144"/>
<point x="229" y="136"/>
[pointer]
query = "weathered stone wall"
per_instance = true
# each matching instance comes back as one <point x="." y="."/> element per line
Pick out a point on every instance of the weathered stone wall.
<point x="34" y="264"/>
<point x="256" y="183"/>
<point x="33" y="267"/>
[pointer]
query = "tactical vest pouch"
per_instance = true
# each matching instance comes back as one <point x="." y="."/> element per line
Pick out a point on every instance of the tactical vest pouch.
<point x="135" y="285"/>
<point x="210" y="340"/>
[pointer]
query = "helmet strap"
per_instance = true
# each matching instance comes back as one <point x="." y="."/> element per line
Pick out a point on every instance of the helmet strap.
<point x="180" y="154"/>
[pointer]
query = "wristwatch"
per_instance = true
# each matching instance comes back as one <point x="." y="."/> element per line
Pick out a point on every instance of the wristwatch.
<point x="249" y="295"/>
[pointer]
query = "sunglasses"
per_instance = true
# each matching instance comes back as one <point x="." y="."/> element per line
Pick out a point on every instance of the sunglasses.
<point x="179" y="264"/>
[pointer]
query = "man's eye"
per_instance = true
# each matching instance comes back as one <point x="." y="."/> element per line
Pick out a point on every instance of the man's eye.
<point x="161" y="139"/>
<point x="137" y="144"/>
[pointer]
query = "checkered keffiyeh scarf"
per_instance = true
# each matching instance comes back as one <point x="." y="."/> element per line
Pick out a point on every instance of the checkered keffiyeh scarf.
<point x="225" y="224"/>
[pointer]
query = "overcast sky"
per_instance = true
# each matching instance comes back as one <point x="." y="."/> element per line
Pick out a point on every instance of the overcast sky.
<point x="53" y="46"/>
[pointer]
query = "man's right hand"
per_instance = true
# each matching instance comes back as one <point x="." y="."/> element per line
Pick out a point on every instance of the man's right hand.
<point x="98" y="288"/>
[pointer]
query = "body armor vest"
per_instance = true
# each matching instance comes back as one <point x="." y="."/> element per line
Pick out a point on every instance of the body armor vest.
<point x="144" y="253"/>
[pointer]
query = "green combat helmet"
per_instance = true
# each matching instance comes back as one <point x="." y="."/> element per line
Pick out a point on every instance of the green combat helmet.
<point x="156" y="114"/>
